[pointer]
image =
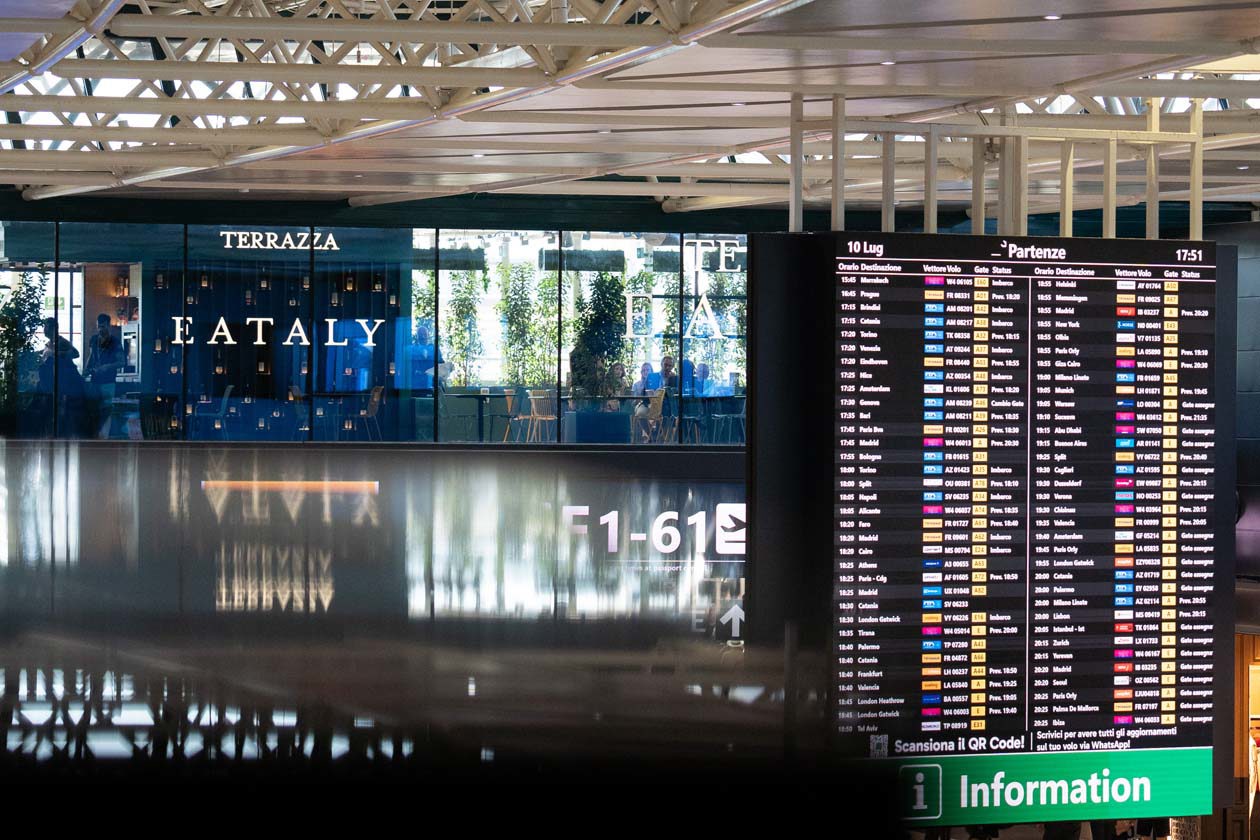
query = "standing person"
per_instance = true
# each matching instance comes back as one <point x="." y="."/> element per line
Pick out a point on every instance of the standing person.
<point x="105" y="358"/>
<point x="426" y="362"/>
<point x="60" y="384"/>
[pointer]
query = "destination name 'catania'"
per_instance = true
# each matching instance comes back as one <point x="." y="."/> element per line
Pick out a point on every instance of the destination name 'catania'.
<point x="1095" y="790"/>
<point x="297" y="332"/>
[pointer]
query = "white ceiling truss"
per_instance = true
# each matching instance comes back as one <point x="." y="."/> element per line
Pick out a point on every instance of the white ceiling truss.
<point x="687" y="101"/>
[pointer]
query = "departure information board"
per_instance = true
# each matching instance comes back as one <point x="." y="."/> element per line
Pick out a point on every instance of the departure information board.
<point x="1033" y="545"/>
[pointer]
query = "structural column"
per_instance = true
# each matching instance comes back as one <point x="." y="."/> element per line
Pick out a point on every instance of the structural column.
<point x="1196" y="170"/>
<point x="977" y="185"/>
<point x="796" y="204"/>
<point x="1020" y="165"/>
<point x="1109" y="188"/>
<point x="930" y="154"/>
<point x="837" y="163"/>
<point x="1152" y="171"/>
<point x="888" y="182"/>
<point x="1067" y="187"/>
<point x="1006" y="184"/>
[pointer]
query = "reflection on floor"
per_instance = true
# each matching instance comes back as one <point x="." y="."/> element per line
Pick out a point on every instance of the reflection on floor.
<point x="351" y="533"/>
<point x="348" y="608"/>
<point x="74" y="699"/>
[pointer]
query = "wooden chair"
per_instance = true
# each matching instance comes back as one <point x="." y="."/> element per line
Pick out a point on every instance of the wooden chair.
<point x="647" y="427"/>
<point x="367" y="418"/>
<point x="516" y="419"/>
<point x="542" y="413"/>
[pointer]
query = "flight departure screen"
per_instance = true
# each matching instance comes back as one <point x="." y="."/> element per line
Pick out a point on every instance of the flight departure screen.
<point x="1028" y="520"/>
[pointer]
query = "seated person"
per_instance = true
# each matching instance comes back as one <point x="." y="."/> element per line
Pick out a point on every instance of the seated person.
<point x="668" y="378"/>
<point x="703" y="384"/>
<point x="646" y="380"/>
<point x="615" y="385"/>
<point x="707" y="386"/>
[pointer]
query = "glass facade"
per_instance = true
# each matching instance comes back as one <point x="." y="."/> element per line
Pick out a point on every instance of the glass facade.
<point x="336" y="334"/>
<point x="713" y="372"/>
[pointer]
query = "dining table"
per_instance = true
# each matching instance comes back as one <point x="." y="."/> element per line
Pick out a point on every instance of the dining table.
<point x="482" y="399"/>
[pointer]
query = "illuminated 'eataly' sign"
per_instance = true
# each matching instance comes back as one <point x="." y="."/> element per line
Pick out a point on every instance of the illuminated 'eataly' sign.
<point x="297" y="332"/>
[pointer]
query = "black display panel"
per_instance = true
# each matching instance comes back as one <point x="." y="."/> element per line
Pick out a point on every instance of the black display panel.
<point x="1032" y="568"/>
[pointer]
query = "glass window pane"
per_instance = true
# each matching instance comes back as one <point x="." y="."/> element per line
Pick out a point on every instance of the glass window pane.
<point x="123" y="285"/>
<point x="249" y="333"/>
<point x="362" y="288"/>
<point x="620" y="336"/>
<point x="27" y="294"/>
<point x="713" y="373"/>
<point x="416" y="365"/>
<point x="498" y="334"/>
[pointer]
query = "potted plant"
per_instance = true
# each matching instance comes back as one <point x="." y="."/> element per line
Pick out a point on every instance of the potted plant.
<point x="20" y="317"/>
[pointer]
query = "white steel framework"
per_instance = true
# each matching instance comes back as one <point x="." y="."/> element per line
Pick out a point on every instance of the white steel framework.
<point x="698" y="103"/>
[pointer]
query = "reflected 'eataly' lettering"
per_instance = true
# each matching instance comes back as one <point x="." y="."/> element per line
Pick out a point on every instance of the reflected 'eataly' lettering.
<point x="255" y="577"/>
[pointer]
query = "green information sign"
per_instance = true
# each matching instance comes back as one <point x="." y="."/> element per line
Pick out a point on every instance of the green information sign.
<point x="1044" y="787"/>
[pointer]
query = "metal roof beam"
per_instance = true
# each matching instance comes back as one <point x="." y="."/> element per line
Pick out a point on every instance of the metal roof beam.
<point x="1191" y="88"/>
<point x="616" y="143"/>
<point x="136" y="134"/>
<point x="981" y="45"/>
<point x="61" y="43"/>
<point x="301" y="73"/>
<point x="720" y="21"/>
<point x="351" y="109"/>
<point x="346" y="30"/>
<point x="614" y="188"/>
<point x="54" y="160"/>
<point x="752" y="171"/>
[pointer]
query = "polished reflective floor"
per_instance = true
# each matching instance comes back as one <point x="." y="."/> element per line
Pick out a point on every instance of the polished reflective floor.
<point x="383" y="611"/>
<point x="74" y="701"/>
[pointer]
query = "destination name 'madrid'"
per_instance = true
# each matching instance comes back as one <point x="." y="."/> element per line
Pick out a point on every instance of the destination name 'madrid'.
<point x="298" y="334"/>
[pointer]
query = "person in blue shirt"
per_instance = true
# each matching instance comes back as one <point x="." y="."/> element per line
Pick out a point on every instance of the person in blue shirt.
<point x="703" y="384"/>
<point x="426" y="363"/>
